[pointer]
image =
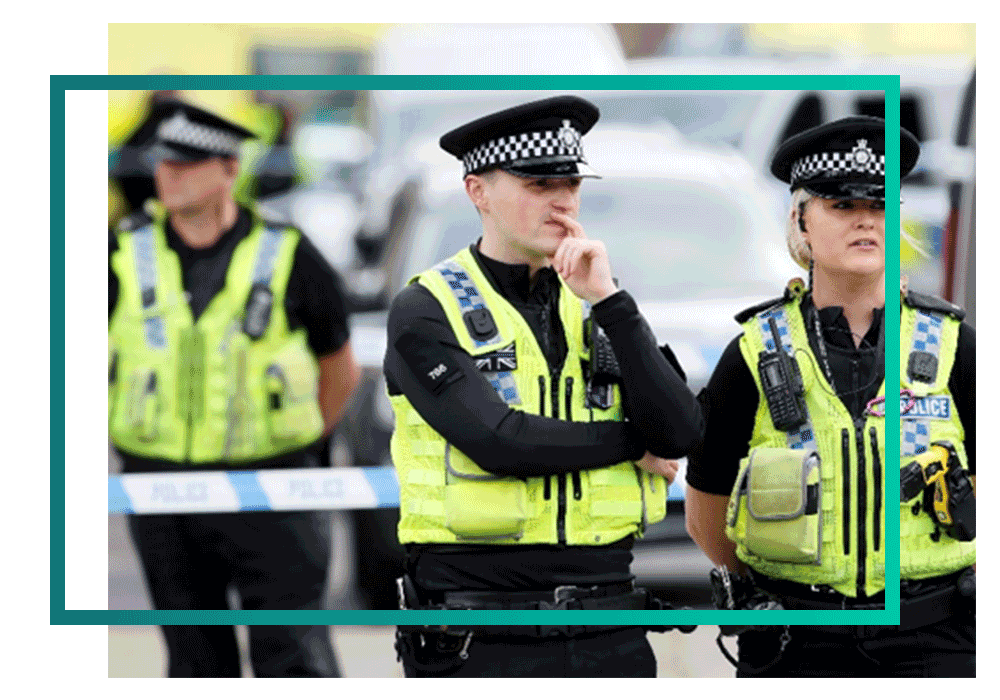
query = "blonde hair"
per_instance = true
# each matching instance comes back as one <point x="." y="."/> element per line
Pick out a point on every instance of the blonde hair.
<point x="797" y="247"/>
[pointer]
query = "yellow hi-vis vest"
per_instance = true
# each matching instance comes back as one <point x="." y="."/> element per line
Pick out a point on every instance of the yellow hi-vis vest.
<point x="928" y="414"/>
<point x="840" y="542"/>
<point x="446" y="498"/>
<point x="208" y="391"/>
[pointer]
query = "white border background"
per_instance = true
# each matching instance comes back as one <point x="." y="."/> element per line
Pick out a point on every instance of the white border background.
<point x="60" y="40"/>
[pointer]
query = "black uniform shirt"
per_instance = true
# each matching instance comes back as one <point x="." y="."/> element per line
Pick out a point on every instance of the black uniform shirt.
<point x="463" y="407"/>
<point x="731" y="398"/>
<point x="314" y="300"/>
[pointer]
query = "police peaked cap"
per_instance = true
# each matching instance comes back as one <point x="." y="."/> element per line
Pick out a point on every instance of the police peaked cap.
<point x="188" y="133"/>
<point x="844" y="159"/>
<point x="537" y="139"/>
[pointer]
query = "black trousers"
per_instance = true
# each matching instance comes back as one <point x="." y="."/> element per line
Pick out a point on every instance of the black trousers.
<point x="275" y="561"/>
<point x="622" y="653"/>
<point x="944" y="650"/>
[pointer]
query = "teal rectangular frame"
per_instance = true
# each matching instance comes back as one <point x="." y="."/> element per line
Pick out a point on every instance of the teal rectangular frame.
<point x="60" y="84"/>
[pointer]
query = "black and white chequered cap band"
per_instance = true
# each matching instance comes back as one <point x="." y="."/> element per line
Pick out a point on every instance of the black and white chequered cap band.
<point x="532" y="148"/>
<point x="179" y="130"/>
<point x="861" y="159"/>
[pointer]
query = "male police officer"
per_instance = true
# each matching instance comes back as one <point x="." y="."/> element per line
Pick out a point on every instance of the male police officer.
<point x="512" y="367"/>
<point x="228" y="350"/>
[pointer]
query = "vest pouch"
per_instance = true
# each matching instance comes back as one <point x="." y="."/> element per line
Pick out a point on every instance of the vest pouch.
<point x="778" y="495"/>
<point x="142" y="407"/>
<point x="479" y="505"/>
<point x="291" y="389"/>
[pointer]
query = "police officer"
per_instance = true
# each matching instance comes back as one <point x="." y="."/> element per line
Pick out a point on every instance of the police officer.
<point x="822" y="545"/>
<point x="512" y="367"/>
<point x="228" y="349"/>
<point x="131" y="178"/>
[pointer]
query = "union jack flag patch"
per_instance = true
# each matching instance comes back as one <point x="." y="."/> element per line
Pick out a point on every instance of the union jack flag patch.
<point x="504" y="359"/>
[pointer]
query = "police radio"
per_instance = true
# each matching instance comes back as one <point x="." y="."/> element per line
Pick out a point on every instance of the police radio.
<point x="782" y="383"/>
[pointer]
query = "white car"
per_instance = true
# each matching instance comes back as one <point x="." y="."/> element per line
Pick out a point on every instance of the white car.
<point x="758" y="121"/>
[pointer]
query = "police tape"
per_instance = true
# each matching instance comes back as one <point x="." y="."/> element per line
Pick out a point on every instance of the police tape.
<point x="334" y="488"/>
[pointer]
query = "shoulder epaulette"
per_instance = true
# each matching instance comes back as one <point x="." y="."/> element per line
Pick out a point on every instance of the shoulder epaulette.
<point x="134" y="221"/>
<point x="928" y="302"/>
<point x="746" y="314"/>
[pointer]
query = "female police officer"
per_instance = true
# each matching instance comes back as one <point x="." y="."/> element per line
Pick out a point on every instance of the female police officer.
<point x="807" y="377"/>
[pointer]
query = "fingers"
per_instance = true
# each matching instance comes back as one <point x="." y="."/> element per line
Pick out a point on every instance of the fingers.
<point x="572" y="252"/>
<point x="573" y="227"/>
<point x="667" y="468"/>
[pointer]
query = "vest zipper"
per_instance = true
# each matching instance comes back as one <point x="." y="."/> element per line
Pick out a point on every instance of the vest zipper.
<point x="845" y="445"/>
<point x="561" y="510"/>
<point x="859" y="426"/>
<point x="577" y="488"/>
<point x="547" y="489"/>
<point x="877" y="476"/>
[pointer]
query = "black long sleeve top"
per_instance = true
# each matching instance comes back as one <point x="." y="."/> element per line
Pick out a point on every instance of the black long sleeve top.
<point x="664" y="418"/>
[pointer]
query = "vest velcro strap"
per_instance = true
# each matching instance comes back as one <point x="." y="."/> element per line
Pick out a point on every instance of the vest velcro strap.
<point x="428" y="507"/>
<point x="611" y="477"/>
<point x="624" y="509"/>
<point x="425" y="477"/>
<point x="426" y="448"/>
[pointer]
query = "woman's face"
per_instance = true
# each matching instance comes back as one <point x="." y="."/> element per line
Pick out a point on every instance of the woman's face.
<point x="847" y="236"/>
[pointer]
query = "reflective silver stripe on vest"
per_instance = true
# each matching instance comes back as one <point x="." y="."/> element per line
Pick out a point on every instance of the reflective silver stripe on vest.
<point x="916" y="432"/>
<point x="267" y="255"/>
<point x="145" y="266"/>
<point x="803" y="437"/>
<point x="468" y="298"/>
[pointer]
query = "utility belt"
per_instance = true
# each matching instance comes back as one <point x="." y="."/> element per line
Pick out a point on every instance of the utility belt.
<point x="438" y="648"/>
<point x="922" y="603"/>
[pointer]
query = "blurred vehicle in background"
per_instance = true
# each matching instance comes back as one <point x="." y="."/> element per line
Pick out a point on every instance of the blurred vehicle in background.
<point x="958" y="262"/>
<point x="499" y="49"/>
<point x="692" y="237"/>
<point x="930" y="90"/>
<point x="406" y="125"/>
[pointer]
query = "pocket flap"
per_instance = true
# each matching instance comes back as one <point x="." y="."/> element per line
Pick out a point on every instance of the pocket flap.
<point x="778" y="482"/>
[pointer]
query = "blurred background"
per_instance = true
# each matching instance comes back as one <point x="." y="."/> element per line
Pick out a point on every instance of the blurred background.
<point x="687" y="207"/>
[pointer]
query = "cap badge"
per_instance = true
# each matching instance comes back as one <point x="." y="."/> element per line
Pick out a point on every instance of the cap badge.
<point x="568" y="134"/>
<point x="862" y="154"/>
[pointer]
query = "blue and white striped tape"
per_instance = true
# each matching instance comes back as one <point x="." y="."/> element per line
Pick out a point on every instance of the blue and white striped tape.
<point x="336" y="488"/>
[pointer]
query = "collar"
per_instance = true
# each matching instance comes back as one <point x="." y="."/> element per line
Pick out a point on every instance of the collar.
<point x="513" y="282"/>
<point x="244" y="222"/>
<point x="836" y="330"/>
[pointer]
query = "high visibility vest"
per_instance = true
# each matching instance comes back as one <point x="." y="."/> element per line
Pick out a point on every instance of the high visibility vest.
<point x="928" y="414"/>
<point x="826" y="526"/>
<point x="446" y="498"/>
<point x="237" y="385"/>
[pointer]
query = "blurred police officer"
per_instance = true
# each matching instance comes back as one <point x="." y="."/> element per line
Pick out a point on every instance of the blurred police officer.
<point x="807" y="534"/>
<point x="228" y="349"/>
<point x="512" y="368"/>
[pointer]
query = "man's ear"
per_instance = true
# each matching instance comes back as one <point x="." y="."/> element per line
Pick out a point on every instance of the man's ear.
<point x="475" y="187"/>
